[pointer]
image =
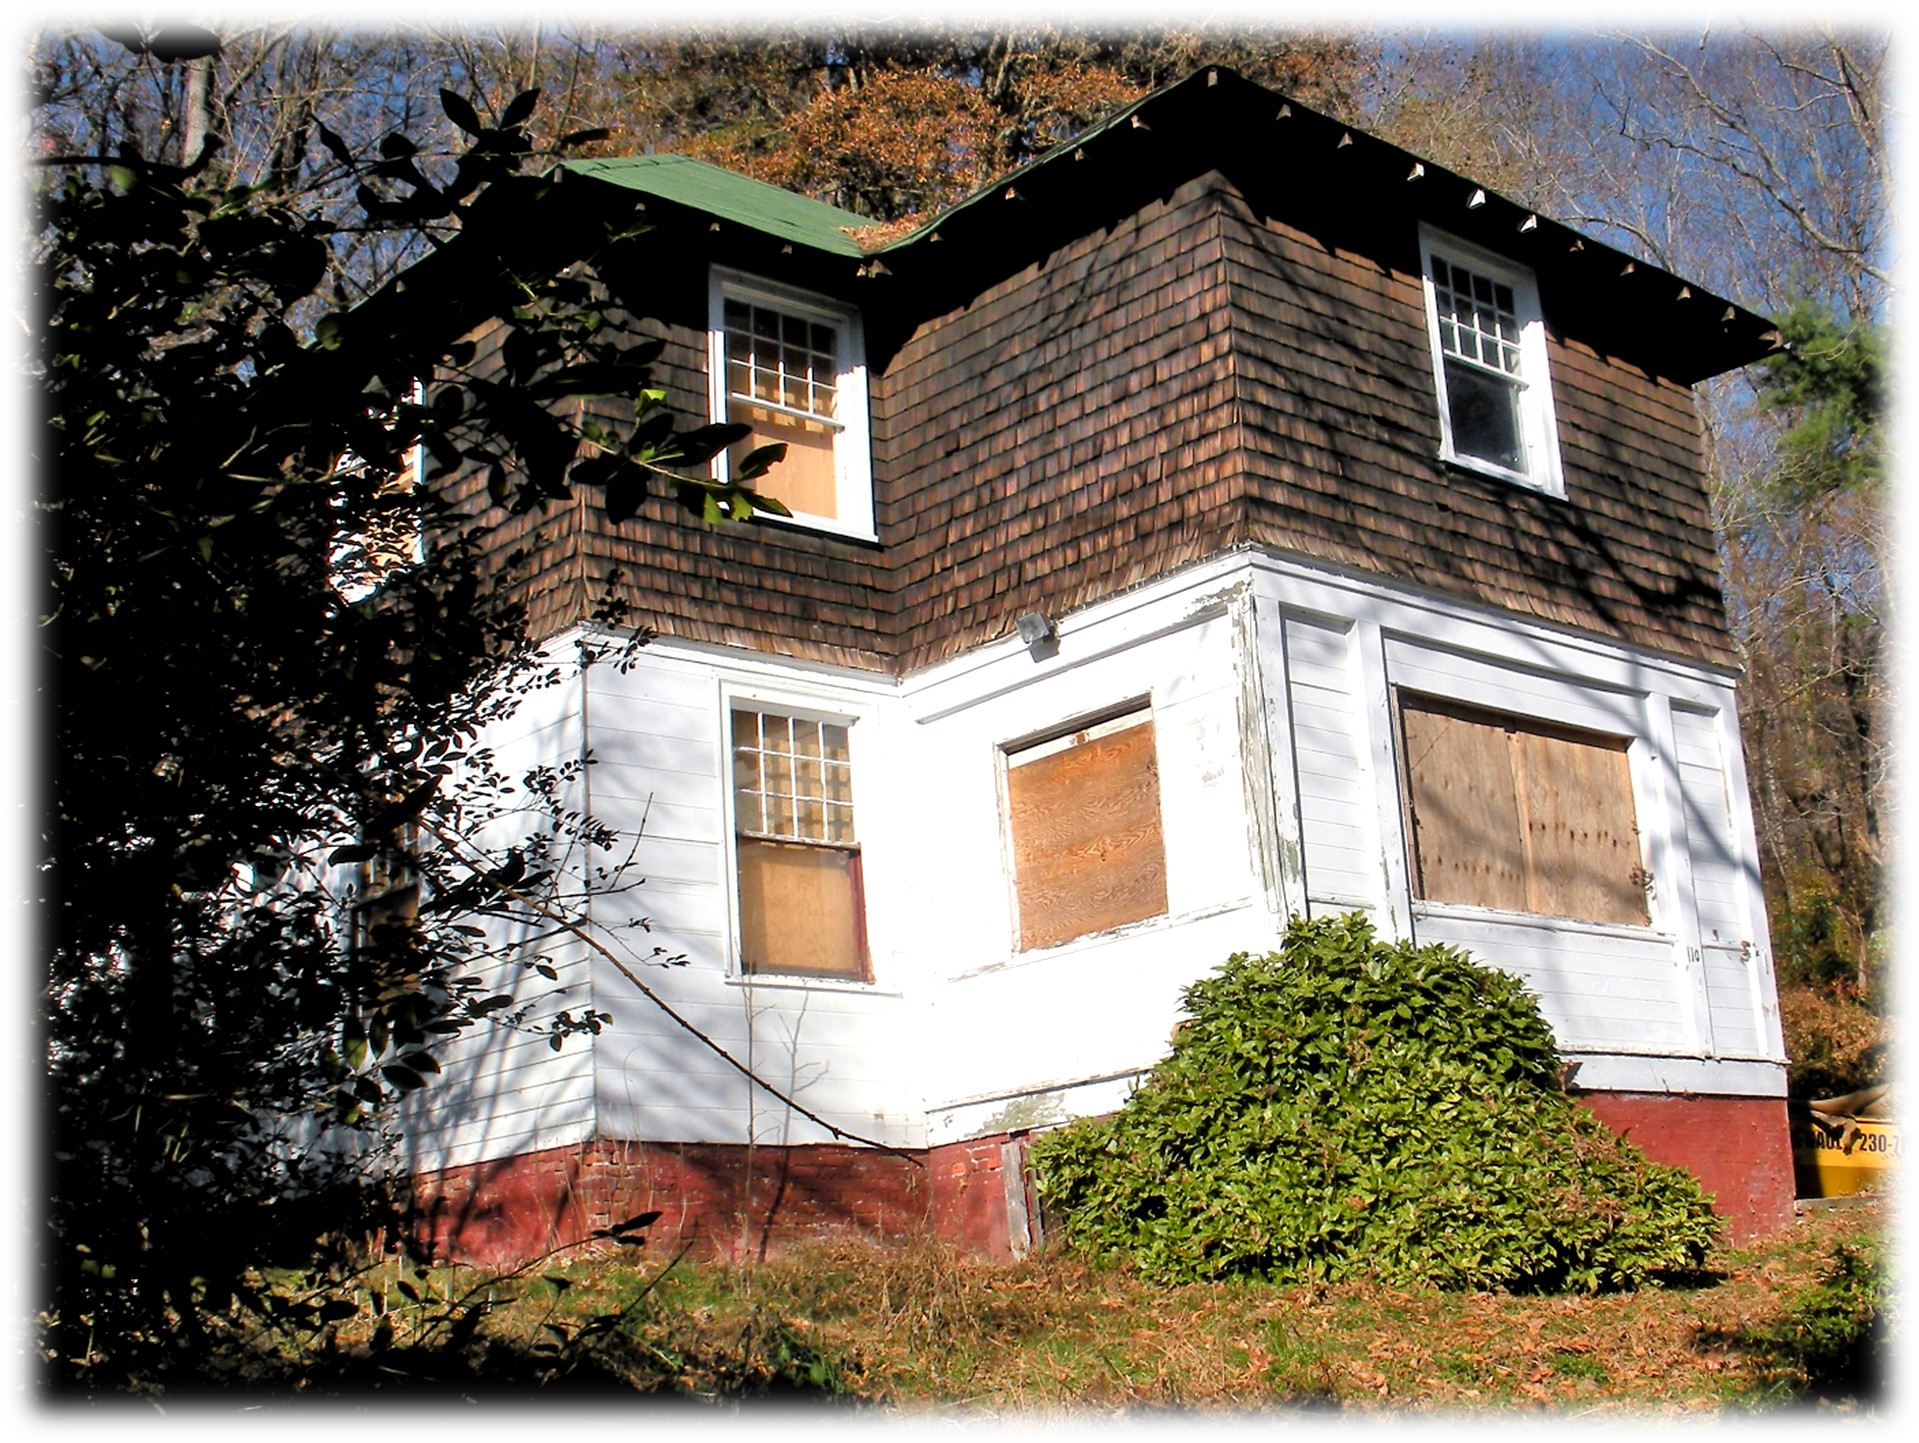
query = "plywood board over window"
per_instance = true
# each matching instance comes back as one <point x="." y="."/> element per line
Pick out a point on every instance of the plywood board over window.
<point x="1083" y="807"/>
<point x="1520" y="815"/>
<point x="802" y="904"/>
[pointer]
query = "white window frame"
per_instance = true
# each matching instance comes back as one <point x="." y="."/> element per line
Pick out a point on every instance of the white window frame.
<point x="774" y="701"/>
<point x="1539" y="430"/>
<point x="852" y="448"/>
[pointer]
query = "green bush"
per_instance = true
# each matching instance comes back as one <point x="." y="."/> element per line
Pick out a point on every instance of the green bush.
<point x="1345" y="1106"/>
<point x="1833" y="1345"/>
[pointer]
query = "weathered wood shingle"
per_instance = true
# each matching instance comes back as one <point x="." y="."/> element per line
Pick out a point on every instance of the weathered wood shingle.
<point x="1210" y="355"/>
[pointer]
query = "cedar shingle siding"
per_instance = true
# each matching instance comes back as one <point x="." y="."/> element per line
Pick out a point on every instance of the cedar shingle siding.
<point x="1065" y="436"/>
<point x="1196" y="375"/>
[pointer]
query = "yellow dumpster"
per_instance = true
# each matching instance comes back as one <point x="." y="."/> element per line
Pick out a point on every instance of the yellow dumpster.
<point x="1844" y="1145"/>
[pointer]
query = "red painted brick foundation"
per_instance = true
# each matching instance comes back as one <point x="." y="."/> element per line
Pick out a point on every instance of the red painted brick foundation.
<point x="728" y="1201"/>
<point x="1738" y="1148"/>
<point x="716" y="1200"/>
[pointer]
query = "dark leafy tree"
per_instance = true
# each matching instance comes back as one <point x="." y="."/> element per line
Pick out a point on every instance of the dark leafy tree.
<point x="250" y="695"/>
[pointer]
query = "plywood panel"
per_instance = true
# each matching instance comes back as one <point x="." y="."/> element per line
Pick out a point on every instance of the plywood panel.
<point x="801" y="910"/>
<point x="1468" y="844"/>
<point x="1582" y="840"/>
<point x="1087" y="848"/>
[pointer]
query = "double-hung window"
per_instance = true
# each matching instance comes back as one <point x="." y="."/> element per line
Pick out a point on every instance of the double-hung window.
<point x="1489" y="362"/>
<point x="801" y="896"/>
<point x="791" y="366"/>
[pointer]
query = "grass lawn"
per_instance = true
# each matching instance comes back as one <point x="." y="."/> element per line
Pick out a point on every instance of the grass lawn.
<point x="916" y="1329"/>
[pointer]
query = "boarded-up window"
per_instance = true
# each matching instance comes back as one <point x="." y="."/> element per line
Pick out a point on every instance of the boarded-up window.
<point x="1521" y="815"/>
<point x="802" y="907"/>
<point x="1087" y="850"/>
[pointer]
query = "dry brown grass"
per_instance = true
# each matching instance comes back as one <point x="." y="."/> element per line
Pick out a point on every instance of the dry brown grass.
<point x="920" y="1327"/>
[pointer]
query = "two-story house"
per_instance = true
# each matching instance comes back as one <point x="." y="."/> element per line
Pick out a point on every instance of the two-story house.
<point x="1226" y="517"/>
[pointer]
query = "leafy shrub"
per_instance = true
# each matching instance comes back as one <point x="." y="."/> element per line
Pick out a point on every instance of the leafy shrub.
<point x="1833" y="1345"/>
<point x="1345" y="1106"/>
<point x="1833" y="1045"/>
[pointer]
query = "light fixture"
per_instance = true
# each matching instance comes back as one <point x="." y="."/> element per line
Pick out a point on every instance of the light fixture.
<point x="1034" y="628"/>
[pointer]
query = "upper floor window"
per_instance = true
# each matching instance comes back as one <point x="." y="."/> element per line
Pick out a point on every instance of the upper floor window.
<point x="1489" y="358"/>
<point x="792" y="366"/>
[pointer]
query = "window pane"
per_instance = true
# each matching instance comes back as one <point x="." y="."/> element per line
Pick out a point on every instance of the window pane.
<point x="1484" y="412"/>
<point x="748" y="808"/>
<point x="833" y="741"/>
<point x="838" y="782"/>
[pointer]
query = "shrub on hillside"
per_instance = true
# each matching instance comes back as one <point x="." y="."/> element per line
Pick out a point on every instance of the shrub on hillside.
<point x="1346" y="1106"/>
<point x="1833" y="1045"/>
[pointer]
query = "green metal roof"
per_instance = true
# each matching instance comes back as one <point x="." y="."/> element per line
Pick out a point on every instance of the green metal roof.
<point x="708" y="188"/>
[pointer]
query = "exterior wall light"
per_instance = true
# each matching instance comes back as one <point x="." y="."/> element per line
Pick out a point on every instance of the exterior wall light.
<point x="1035" y="628"/>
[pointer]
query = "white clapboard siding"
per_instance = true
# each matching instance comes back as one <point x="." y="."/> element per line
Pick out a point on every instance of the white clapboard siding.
<point x="1077" y="1012"/>
<point x="662" y="754"/>
<point x="1002" y="1021"/>
<point x="1718" y="870"/>
<point x="1598" y="987"/>
<point x="1719" y="884"/>
<point x="1570" y="700"/>
<point x="1729" y="993"/>
<point x="1336" y="805"/>
<point x="503" y="1090"/>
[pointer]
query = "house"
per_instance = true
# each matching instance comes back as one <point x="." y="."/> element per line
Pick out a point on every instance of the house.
<point x="1228" y="516"/>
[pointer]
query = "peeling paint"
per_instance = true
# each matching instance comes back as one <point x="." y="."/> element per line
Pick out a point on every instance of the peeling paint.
<point x="1210" y="602"/>
<point x="1276" y="852"/>
<point x="1039" y="1109"/>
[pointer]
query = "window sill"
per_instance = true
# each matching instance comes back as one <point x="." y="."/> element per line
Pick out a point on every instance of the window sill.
<point x="1164" y="922"/>
<point x="793" y="982"/>
<point x="822" y="525"/>
<point x="1549" y="487"/>
<point x="1465" y="912"/>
